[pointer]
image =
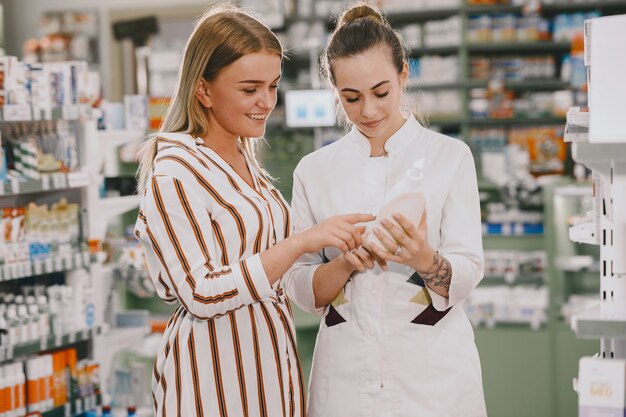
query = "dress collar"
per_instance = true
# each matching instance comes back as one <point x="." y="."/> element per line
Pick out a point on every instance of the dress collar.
<point x="396" y="142"/>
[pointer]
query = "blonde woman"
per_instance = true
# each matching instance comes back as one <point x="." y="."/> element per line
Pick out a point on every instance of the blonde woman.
<point x="394" y="340"/>
<point x="217" y="234"/>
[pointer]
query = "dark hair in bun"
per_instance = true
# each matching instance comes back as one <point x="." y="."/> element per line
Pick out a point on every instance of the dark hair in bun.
<point x="359" y="29"/>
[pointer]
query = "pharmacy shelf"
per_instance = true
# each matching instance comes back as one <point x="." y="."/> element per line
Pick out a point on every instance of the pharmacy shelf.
<point x="24" y="113"/>
<point x="415" y="16"/>
<point x="435" y="50"/>
<point x="417" y="86"/>
<point x="74" y="408"/>
<point x="518" y="47"/>
<point x="590" y="325"/>
<point x="546" y="84"/>
<point x="516" y="121"/>
<point x="535" y="278"/>
<point x="445" y="123"/>
<point x="610" y="5"/>
<point x="493" y="9"/>
<point x="59" y="263"/>
<point x="52" y="342"/>
<point x="47" y="182"/>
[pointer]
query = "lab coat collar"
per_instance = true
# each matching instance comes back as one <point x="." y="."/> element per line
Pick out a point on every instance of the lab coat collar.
<point x="396" y="142"/>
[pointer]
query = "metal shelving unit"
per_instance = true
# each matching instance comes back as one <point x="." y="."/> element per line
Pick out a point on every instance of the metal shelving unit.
<point x="50" y="343"/>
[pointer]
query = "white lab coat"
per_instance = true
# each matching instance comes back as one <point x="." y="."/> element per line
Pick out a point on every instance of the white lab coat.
<point x="386" y="345"/>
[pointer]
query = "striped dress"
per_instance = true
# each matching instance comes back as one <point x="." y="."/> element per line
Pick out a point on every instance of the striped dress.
<point x="229" y="349"/>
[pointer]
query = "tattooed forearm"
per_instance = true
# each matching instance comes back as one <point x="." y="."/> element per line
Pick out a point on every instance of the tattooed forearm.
<point x="439" y="274"/>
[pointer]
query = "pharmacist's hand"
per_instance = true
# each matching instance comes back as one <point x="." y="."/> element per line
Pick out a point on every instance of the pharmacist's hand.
<point x="404" y="242"/>
<point x="363" y="258"/>
<point x="340" y="232"/>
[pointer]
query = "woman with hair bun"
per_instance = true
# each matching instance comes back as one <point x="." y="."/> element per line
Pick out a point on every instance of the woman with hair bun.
<point x="217" y="234"/>
<point x="394" y="339"/>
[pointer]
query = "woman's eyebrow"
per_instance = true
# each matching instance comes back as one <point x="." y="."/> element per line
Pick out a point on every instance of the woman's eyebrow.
<point x="352" y="90"/>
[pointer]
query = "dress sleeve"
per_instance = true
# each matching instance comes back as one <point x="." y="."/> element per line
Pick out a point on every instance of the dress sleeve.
<point x="178" y="235"/>
<point x="461" y="235"/>
<point x="298" y="281"/>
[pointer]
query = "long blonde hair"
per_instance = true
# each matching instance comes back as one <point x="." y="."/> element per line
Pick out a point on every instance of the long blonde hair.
<point x="222" y="35"/>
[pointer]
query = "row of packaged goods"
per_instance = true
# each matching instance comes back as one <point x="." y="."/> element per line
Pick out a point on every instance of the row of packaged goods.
<point x="43" y="383"/>
<point x="540" y="67"/>
<point x="512" y="28"/>
<point x="325" y="8"/>
<point x="28" y="151"/>
<point x="35" y="91"/>
<point x="45" y="314"/>
<point x="487" y="103"/>
<point x="522" y="304"/>
<point x="434" y="69"/>
<point x="484" y="104"/>
<point x="68" y="91"/>
<point x="449" y="32"/>
<point x="514" y="265"/>
<point x="302" y="35"/>
<point x="40" y="232"/>
<point x="538" y="150"/>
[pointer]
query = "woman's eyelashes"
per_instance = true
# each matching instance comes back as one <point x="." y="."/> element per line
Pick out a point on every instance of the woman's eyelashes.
<point x="251" y="91"/>
<point x="355" y="99"/>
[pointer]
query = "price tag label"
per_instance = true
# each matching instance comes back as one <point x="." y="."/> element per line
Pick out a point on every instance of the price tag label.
<point x="27" y="271"/>
<point x="15" y="271"/>
<point x="58" y="263"/>
<point x="15" y="185"/>
<point x="45" y="182"/>
<point x="49" y="265"/>
<point x="38" y="267"/>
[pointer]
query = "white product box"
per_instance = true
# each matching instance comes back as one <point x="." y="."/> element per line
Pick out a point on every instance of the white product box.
<point x="601" y="387"/>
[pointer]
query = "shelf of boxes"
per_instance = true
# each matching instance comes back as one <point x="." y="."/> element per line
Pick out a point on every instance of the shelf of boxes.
<point x="47" y="182"/>
<point x="52" y="264"/>
<point x="48" y="343"/>
<point x="75" y="408"/>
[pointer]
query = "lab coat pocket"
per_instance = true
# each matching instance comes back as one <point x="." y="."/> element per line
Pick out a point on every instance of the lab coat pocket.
<point x="454" y="370"/>
<point x="337" y="362"/>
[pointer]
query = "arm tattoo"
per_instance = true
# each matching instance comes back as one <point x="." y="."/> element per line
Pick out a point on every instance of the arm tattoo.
<point x="439" y="274"/>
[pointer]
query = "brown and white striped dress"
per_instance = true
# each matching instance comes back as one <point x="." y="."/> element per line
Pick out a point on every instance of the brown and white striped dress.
<point x="229" y="349"/>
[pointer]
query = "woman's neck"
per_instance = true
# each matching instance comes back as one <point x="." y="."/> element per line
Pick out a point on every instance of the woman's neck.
<point x="221" y="141"/>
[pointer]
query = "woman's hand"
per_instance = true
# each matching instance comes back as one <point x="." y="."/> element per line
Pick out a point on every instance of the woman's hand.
<point x="404" y="242"/>
<point x="337" y="231"/>
<point x="362" y="258"/>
